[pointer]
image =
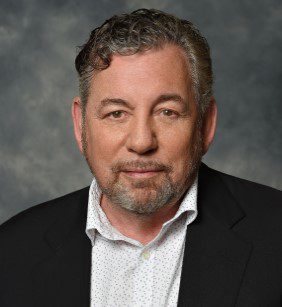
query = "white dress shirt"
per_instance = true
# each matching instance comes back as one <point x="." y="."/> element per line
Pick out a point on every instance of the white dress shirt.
<point x="126" y="273"/>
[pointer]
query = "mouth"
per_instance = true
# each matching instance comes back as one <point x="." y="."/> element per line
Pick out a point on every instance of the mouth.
<point x="141" y="173"/>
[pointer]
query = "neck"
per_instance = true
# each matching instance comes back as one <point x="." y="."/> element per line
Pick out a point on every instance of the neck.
<point x="143" y="228"/>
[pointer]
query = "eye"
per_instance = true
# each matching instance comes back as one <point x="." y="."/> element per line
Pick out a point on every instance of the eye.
<point x="168" y="112"/>
<point x="116" y="114"/>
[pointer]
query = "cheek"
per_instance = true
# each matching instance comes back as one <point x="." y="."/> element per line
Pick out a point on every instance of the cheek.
<point x="177" y="141"/>
<point x="181" y="149"/>
<point x="103" y="144"/>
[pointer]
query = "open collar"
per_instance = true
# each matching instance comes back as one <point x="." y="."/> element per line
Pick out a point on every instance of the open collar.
<point x="98" y="221"/>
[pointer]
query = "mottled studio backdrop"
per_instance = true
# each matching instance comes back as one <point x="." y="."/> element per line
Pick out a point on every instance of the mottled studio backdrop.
<point x="38" y="40"/>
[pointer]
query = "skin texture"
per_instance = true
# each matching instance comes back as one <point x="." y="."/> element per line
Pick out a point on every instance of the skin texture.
<point x="142" y="138"/>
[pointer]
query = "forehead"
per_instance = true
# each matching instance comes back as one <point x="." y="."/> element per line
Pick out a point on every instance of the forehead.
<point x="143" y="75"/>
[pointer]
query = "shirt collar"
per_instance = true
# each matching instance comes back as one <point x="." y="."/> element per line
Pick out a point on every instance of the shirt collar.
<point x="98" y="221"/>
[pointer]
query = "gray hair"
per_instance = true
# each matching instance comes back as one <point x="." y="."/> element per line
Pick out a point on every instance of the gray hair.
<point x="142" y="30"/>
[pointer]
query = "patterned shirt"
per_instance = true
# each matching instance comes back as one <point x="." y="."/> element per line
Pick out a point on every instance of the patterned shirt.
<point x="127" y="273"/>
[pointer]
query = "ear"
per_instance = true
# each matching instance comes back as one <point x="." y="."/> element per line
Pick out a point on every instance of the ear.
<point x="209" y="125"/>
<point x="76" y="111"/>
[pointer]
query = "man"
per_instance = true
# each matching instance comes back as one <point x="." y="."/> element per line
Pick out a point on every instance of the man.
<point x="156" y="227"/>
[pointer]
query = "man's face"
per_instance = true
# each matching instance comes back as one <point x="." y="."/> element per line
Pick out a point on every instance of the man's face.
<point x="141" y="129"/>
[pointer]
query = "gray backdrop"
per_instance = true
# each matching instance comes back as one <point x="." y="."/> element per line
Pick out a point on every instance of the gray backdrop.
<point x="38" y="39"/>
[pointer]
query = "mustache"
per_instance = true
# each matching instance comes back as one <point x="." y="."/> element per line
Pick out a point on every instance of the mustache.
<point x="139" y="164"/>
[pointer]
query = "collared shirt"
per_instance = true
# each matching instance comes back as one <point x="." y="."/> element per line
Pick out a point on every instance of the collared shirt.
<point x="126" y="273"/>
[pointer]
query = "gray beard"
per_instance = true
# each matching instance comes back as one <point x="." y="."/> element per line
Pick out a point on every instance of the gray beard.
<point x="148" y="196"/>
<point x="152" y="197"/>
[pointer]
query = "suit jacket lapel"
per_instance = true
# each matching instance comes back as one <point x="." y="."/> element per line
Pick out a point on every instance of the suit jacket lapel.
<point x="215" y="256"/>
<point x="62" y="276"/>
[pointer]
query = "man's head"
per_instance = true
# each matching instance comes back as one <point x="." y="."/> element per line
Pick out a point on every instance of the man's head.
<point x="146" y="114"/>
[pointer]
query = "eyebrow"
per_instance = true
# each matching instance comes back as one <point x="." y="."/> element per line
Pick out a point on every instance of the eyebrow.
<point x="161" y="99"/>
<point x="114" y="101"/>
<point x="170" y="97"/>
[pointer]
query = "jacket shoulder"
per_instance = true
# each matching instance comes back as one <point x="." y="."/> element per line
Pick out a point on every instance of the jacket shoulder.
<point x="251" y="191"/>
<point x="261" y="204"/>
<point x="40" y="216"/>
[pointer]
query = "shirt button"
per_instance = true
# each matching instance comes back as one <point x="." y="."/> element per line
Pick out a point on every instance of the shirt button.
<point x="146" y="255"/>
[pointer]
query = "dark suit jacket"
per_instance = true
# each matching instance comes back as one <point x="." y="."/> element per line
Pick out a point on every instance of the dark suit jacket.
<point x="233" y="253"/>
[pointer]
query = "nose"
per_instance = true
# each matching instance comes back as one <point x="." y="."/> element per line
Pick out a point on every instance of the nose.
<point x="142" y="137"/>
